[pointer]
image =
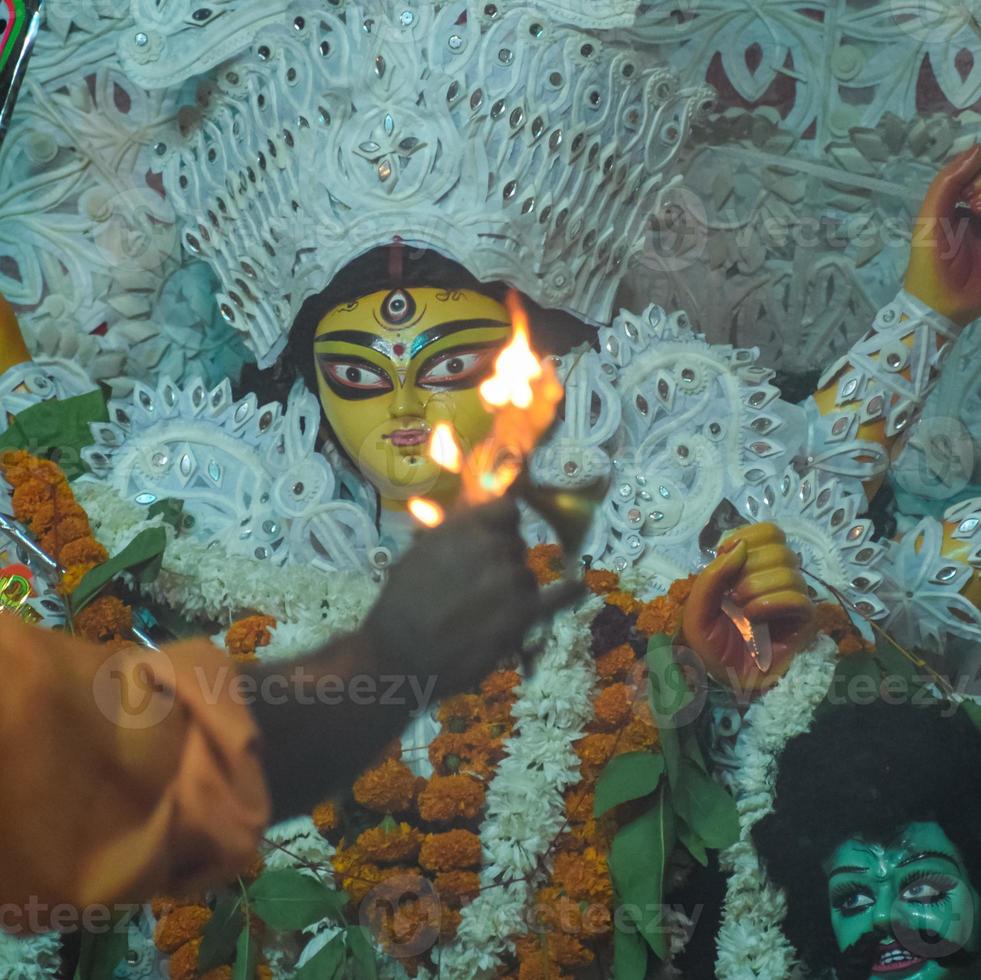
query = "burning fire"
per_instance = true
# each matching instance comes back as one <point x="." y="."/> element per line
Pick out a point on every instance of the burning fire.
<point x="426" y="512"/>
<point x="522" y="394"/>
<point x="444" y="447"/>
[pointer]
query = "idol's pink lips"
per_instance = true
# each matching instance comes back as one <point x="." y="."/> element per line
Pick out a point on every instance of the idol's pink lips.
<point x="895" y="959"/>
<point x="408" y="437"/>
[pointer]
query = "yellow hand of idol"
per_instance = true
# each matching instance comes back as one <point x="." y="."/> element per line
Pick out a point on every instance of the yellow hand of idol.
<point x="13" y="350"/>
<point x="945" y="255"/>
<point x="759" y="578"/>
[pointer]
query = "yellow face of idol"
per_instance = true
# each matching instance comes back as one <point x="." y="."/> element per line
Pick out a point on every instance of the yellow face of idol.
<point x="392" y="365"/>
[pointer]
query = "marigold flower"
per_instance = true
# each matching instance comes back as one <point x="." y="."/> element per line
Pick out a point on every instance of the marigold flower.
<point x="247" y="635"/>
<point x="473" y="751"/>
<point x="661" y="615"/>
<point x="601" y="581"/>
<point x="640" y="733"/>
<point x="388" y="788"/>
<point x="104" y="619"/>
<point x="616" y="663"/>
<point x="72" y="578"/>
<point x="30" y="494"/>
<point x="613" y="705"/>
<point x="354" y="874"/>
<point x="327" y="818"/>
<point x="460" y="712"/>
<point x="546" y="563"/>
<point x="81" y="551"/>
<point x="450" y="851"/>
<point x="500" y="684"/>
<point x="448" y="798"/>
<point x="183" y="963"/>
<point x="595" y="749"/>
<point x="584" y="877"/>
<point x="579" y="801"/>
<point x="390" y="846"/>
<point x="450" y="920"/>
<point x="458" y="887"/>
<point x="47" y="472"/>
<point x="624" y="601"/>
<point x="536" y="965"/>
<point x="180" y="926"/>
<point x="567" y="950"/>
<point x="680" y="589"/>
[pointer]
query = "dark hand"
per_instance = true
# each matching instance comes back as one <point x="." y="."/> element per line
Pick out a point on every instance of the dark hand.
<point x="460" y="600"/>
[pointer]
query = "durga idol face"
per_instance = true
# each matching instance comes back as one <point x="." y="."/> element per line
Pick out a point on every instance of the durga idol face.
<point x="904" y="909"/>
<point x="393" y="364"/>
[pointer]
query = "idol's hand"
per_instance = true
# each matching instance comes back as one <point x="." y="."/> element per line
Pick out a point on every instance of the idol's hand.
<point x="945" y="257"/>
<point x="13" y="350"/>
<point x="460" y="600"/>
<point x="760" y="575"/>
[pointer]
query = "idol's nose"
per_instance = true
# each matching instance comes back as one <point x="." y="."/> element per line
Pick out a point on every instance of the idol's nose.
<point x="406" y="403"/>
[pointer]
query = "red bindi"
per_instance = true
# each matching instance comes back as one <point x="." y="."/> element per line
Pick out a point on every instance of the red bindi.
<point x="399" y="349"/>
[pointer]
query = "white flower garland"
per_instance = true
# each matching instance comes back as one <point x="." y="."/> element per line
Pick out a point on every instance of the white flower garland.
<point x="311" y="605"/>
<point x="751" y="942"/>
<point x="36" y="958"/>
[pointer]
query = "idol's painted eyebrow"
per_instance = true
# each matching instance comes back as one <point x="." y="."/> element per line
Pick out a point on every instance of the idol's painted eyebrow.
<point x="361" y="338"/>
<point x="929" y="855"/>
<point x="430" y="336"/>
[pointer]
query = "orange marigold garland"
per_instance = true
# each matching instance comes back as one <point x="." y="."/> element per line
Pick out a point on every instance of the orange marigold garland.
<point x="43" y="501"/>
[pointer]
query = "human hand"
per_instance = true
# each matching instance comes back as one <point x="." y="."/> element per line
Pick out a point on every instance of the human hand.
<point x="945" y="259"/>
<point x="461" y="599"/>
<point x="13" y="350"/>
<point x="757" y="572"/>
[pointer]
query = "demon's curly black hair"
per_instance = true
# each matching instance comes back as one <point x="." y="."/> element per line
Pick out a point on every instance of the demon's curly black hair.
<point x="387" y="268"/>
<point x="865" y="771"/>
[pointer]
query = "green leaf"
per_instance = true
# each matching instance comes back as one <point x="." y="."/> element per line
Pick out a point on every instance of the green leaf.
<point x="58" y="429"/>
<point x="972" y="710"/>
<point x="141" y="557"/>
<point x="669" y="694"/>
<point x="692" y="843"/>
<point x="221" y="933"/>
<point x="101" y="953"/>
<point x="627" y="777"/>
<point x="288" y="899"/>
<point x="327" y="962"/>
<point x="638" y="859"/>
<point x="366" y="967"/>
<point x="707" y="809"/>
<point x="629" y="955"/>
<point x="246" y="957"/>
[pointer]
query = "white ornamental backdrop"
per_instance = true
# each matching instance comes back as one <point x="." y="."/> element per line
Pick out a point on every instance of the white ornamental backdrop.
<point x="791" y="229"/>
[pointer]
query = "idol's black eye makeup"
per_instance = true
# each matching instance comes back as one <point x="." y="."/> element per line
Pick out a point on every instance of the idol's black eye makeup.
<point x="353" y="377"/>
<point x="461" y="367"/>
<point x="851" y="899"/>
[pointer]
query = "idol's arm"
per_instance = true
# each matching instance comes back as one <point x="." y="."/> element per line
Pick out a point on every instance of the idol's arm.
<point x="928" y="586"/>
<point x="869" y="399"/>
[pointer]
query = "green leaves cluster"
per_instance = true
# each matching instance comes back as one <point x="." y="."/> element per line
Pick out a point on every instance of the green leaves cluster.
<point x="141" y="558"/>
<point x="286" y="900"/>
<point x="685" y="805"/>
<point x="58" y="430"/>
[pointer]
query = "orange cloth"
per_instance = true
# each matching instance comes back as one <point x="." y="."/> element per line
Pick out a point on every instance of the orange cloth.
<point x="123" y="775"/>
